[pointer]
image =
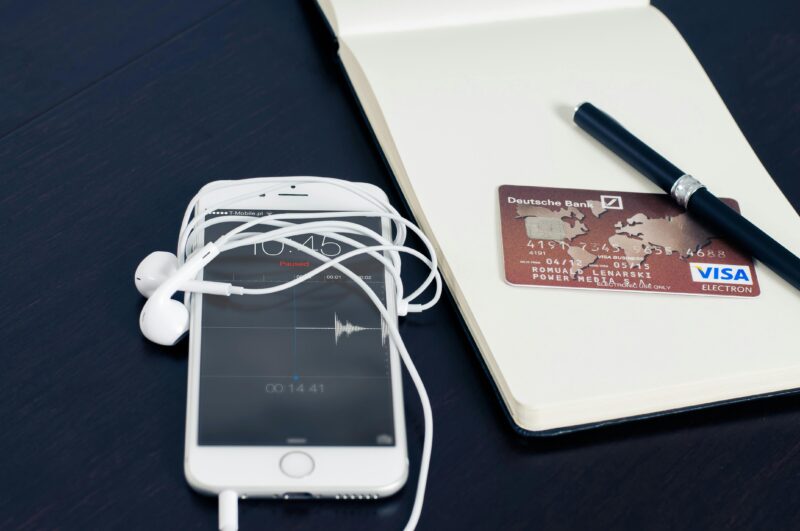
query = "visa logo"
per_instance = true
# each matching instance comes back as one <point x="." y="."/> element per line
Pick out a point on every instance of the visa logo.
<point x="721" y="273"/>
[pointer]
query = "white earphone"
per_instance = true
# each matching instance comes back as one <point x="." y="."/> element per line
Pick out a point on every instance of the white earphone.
<point x="161" y="275"/>
<point x="160" y="265"/>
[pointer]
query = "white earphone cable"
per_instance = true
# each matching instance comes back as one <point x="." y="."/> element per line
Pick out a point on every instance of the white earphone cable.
<point x="194" y="222"/>
<point x="394" y="333"/>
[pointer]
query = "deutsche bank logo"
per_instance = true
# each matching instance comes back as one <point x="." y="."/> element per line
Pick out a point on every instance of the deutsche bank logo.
<point x="613" y="202"/>
<point x="721" y="273"/>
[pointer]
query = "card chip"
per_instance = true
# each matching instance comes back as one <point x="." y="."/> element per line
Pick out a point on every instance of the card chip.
<point x="541" y="228"/>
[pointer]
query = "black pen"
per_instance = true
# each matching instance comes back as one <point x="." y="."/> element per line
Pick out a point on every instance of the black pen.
<point x="689" y="193"/>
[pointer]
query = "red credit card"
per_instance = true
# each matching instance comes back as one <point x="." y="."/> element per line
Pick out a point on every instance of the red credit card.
<point x="616" y="240"/>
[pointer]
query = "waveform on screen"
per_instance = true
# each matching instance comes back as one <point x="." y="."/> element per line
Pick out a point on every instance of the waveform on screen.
<point x="346" y="328"/>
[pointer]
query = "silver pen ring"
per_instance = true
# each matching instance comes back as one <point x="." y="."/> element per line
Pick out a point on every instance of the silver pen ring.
<point x="683" y="189"/>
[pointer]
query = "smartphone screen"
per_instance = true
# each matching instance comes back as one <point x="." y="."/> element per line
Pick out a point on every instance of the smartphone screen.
<point x="308" y="366"/>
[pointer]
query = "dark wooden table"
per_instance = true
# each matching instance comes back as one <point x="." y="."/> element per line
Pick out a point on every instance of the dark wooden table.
<point x="112" y="114"/>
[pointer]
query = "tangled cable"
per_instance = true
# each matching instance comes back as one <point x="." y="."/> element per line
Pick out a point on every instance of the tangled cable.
<point x="164" y="322"/>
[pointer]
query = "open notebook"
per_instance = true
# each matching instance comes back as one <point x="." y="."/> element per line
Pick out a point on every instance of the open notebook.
<point x="467" y="95"/>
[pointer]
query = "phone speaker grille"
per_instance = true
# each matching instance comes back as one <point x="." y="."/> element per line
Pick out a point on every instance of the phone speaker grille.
<point x="356" y="496"/>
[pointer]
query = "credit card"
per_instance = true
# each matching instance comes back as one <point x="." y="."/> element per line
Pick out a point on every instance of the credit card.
<point x="626" y="241"/>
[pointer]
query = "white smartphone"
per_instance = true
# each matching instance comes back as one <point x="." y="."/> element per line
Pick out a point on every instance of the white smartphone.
<point x="295" y="394"/>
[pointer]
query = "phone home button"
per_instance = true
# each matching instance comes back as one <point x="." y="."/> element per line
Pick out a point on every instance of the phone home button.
<point x="297" y="464"/>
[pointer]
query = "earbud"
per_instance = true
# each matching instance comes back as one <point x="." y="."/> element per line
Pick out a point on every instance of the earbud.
<point x="164" y="320"/>
<point x="154" y="270"/>
<point x="161" y="265"/>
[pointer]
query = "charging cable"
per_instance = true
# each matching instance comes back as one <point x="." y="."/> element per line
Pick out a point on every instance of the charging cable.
<point x="228" y="511"/>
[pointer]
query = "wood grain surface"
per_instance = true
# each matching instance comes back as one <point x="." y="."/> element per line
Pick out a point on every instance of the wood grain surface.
<point x="112" y="114"/>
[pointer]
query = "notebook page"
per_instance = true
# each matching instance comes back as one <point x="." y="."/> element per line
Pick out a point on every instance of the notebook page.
<point x="471" y="108"/>
<point x="351" y="17"/>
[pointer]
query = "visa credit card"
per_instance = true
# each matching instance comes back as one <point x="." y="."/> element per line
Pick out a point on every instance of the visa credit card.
<point x="627" y="241"/>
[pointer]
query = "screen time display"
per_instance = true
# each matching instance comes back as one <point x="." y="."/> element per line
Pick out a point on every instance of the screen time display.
<point x="308" y="365"/>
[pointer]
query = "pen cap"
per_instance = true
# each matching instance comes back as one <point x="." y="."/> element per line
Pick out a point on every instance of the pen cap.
<point x="620" y="141"/>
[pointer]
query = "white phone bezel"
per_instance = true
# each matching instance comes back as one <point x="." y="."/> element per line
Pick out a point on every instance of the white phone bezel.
<point x="255" y="470"/>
